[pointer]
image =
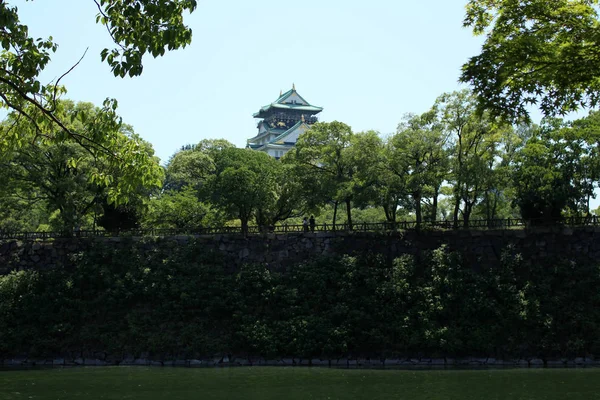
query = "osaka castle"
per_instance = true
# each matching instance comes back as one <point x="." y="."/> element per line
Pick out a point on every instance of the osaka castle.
<point x="281" y="122"/>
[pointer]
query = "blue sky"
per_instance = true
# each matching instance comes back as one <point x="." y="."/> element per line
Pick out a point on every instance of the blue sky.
<point x="366" y="63"/>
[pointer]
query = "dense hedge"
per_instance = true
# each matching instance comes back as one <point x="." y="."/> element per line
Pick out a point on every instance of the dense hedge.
<point x="182" y="302"/>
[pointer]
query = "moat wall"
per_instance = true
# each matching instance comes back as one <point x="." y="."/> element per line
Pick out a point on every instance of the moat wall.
<point x="199" y="301"/>
<point x="480" y="247"/>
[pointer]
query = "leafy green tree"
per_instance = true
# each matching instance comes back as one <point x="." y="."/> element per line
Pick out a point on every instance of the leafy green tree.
<point x="47" y="173"/>
<point x="181" y="210"/>
<point x="123" y="217"/>
<point x="417" y="154"/>
<point x="543" y="186"/>
<point x="325" y="152"/>
<point x="475" y="139"/>
<point x="193" y="164"/>
<point x="243" y="184"/>
<point x="498" y="196"/>
<point x="137" y="28"/>
<point x="20" y="213"/>
<point x="374" y="185"/>
<point x="557" y="170"/>
<point x="535" y="52"/>
<point x="67" y="177"/>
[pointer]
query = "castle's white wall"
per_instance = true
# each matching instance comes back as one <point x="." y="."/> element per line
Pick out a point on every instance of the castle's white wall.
<point x="294" y="97"/>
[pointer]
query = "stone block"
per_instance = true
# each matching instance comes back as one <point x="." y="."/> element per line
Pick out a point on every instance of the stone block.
<point x="376" y="362"/>
<point x="243" y="253"/>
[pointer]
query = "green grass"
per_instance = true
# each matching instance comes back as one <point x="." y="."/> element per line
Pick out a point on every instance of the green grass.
<point x="298" y="383"/>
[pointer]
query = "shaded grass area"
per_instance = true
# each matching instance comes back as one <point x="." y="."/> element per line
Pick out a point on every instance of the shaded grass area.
<point x="297" y="383"/>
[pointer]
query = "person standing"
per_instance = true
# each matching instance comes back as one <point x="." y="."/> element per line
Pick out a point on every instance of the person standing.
<point x="312" y="223"/>
<point x="305" y="224"/>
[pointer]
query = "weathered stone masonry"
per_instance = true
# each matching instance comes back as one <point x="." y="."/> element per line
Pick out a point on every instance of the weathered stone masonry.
<point x="279" y="251"/>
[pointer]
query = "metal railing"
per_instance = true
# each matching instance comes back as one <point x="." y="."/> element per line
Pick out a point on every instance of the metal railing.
<point x="474" y="224"/>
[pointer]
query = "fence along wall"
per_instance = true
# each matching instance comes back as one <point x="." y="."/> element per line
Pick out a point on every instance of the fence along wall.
<point x="377" y="227"/>
<point x="480" y="247"/>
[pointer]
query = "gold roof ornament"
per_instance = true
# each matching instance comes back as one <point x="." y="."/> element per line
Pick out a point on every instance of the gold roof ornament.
<point x="280" y="92"/>
<point x="293" y="86"/>
<point x="303" y="118"/>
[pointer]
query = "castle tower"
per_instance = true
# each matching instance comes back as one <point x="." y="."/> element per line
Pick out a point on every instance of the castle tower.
<point x="281" y="122"/>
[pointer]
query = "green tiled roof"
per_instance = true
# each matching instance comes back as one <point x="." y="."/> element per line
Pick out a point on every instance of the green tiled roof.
<point x="280" y="103"/>
<point x="269" y="131"/>
<point x="278" y="138"/>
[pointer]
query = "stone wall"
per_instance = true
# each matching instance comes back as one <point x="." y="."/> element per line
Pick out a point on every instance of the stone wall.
<point x="481" y="247"/>
<point x="230" y="360"/>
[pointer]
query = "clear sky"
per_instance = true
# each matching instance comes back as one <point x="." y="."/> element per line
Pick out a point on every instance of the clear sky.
<point x="366" y="62"/>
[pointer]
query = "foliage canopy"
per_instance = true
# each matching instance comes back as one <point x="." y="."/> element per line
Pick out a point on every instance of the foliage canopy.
<point x="540" y="52"/>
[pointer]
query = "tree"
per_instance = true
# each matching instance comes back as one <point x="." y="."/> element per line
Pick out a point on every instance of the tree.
<point x="123" y="217"/>
<point x="417" y="154"/>
<point x="243" y="183"/>
<point x="324" y="150"/>
<point x="68" y="178"/>
<point x="539" y="52"/>
<point x="181" y="209"/>
<point x="378" y="185"/>
<point x="137" y="27"/>
<point x="498" y="196"/>
<point x="193" y="164"/>
<point x="556" y="171"/>
<point x="475" y="138"/>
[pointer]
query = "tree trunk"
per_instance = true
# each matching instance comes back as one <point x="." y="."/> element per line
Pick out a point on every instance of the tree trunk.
<point x="456" y="210"/>
<point x="335" y="207"/>
<point x="349" y="213"/>
<point x="244" y="221"/>
<point x="488" y="209"/>
<point x="434" y="204"/>
<point x="467" y="214"/>
<point x="386" y="210"/>
<point x="418" y="212"/>
<point x="495" y="208"/>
